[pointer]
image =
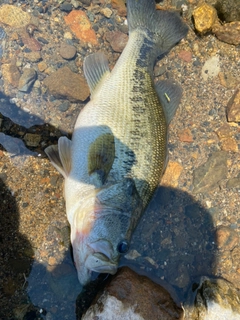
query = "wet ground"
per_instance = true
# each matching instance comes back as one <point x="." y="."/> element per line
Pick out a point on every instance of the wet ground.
<point x="191" y="228"/>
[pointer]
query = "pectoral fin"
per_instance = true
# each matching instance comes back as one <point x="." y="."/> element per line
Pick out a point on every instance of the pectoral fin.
<point x="169" y="95"/>
<point x="60" y="155"/>
<point x="100" y="158"/>
<point x="95" y="69"/>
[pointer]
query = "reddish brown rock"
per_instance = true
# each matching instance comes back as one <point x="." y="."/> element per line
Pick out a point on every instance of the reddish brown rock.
<point x="233" y="107"/>
<point x="229" y="32"/>
<point x="64" y="83"/>
<point x="117" y="40"/>
<point x="131" y="296"/>
<point x="80" y="25"/>
<point x="185" y="55"/>
<point x="185" y="135"/>
<point x="119" y="5"/>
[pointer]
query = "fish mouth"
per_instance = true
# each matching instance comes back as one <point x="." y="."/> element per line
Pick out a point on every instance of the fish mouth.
<point x="105" y="269"/>
<point x="99" y="262"/>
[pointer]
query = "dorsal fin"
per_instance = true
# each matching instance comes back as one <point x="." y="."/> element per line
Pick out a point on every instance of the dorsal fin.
<point x="60" y="155"/>
<point x="169" y="95"/>
<point x="100" y="158"/>
<point x="95" y="68"/>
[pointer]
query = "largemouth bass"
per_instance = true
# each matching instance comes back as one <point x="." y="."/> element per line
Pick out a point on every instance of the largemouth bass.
<point x="118" y="150"/>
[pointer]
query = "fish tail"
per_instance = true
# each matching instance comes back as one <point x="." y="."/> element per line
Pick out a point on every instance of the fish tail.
<point x="165" y="28"/>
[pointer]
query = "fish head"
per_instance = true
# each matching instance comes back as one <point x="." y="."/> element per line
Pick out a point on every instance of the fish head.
<point x="102" y="228"/>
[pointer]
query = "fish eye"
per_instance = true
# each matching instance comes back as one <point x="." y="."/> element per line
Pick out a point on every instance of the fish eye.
<point x="123" y="246"/>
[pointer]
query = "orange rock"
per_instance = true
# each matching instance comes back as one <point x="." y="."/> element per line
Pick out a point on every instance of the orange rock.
<point x="81" y="26"/>
<point x="119" y="5"/>
<point x="229" y="144"/>
<point x="185" y="135"/>
<point x="172" y="174"/>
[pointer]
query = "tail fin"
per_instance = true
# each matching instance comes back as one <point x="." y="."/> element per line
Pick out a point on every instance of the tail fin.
<point x="166" y="27"/>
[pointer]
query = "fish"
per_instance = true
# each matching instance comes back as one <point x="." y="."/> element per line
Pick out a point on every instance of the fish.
<point x="118" y="151"/>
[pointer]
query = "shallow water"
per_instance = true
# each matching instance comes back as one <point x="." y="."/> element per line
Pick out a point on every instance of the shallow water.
<point x="173" y="244"/>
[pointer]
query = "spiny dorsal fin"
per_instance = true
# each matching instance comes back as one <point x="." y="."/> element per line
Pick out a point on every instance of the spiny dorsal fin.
<point x="60" y="155"/>
<point x="100" y="158"/>
<point x="95" y="68"/>
<point x="169" y="95"/>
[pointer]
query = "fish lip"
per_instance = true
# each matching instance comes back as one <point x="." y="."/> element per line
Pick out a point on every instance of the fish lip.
<point x="105" y="269"/>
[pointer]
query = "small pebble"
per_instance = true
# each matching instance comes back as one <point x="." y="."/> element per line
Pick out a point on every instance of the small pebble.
<point x="67" y="51"/>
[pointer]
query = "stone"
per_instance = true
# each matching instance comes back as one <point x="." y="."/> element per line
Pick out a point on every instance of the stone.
<point x="211" y="68"/>
<point x="117" y="40"/>
<point x="32" y="139"/>
<point x="14" y="16"/>
<point x="42" y="66"/>
<point x="106" y="12"/>
<point x="29" y="41"/>
<point x="172" y="174"/>
<point x="226" y="238"/>
<point x="33" y="56"/>
<point x="233" y="107"/>
<point x="185" y="55"/>
<point x="135" y="297"/>
<point x="120" y="6"/>
<point x="11" y="74"/>
<point x="80" y="25"/>
<point x="228" y="80"/>
<point x="225" y="134"/>
<point x="67" y="51"/>
<point x="27" y="79"/>
<point x="228" y="32"/>
<point x="233" y="183"/>
<point x="204" y="17"/>
<point x="228" y="10"/>
<point x="212" y="299"/>
<point x="185" y="135"/>
<point x="64" y="83"/>
<point x="207" y="176"/>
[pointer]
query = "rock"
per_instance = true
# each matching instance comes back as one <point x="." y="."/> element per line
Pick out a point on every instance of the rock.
<point x="13" y="16"/>
<point x="228" y="32"/>
<point x="228" y="10"/>
<point x="213" y="299"/>
<point x="42" y="66"/>
<point x="225" y="134"/>
<point x="32" y="139"/>
<point x="185" y="135"/>
<point x="211" y="68"/>
<point x="207" y="176"/>
<point x="106" y="12"/>
<point x="117" y="40"/>
<point x="33" y="56"/>
<point x="228" y="80"/>
<point x="11" y="74"/>
<point x="119" y="5"/>
<point x="233" y="107"/>
<point x="27" y="79"/>
<point x="30" y="42"/>
<point x="63" y="107"/>
<point x="80" y="25"/>
<point x="135" y="297"/>
<point x="67" y="7"/>
<point x="233" y="183"/>
<point x="204" y="17"/>
<point x="185" y="55"/>
<point x="226" y="238"/>
<point x="63" y="83"/>
<point x="172" y="174"/>
<point x="67" y="51"/>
